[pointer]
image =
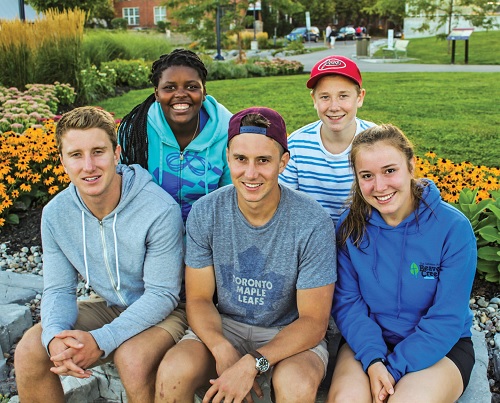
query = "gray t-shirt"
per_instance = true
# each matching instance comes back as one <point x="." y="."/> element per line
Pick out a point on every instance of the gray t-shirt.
<point x="259" y="269"/>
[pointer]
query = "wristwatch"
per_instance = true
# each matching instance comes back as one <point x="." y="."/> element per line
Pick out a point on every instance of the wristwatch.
<point x="261" y="362"/>
<point x="382" y="360"/>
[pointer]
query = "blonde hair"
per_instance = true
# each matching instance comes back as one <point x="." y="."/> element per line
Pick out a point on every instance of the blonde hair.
<point x="83" y="118"/>
<point x="354" y="226"/>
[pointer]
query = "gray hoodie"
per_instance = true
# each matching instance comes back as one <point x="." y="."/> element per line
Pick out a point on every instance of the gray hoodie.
<point x="133" y="258"/>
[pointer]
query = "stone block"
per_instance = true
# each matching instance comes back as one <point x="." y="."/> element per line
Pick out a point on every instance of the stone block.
<point x="19" y="288"/>
<point x="14" y="320"/>
<point x="78" y="390"/>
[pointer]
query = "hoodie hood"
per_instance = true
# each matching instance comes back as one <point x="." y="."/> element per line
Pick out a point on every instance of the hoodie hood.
<point x="198" y="169"/>
<point x="214" y="127"/>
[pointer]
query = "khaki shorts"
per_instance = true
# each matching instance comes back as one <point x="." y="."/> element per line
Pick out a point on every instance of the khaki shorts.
<point x="94" y="313"/>
<point x="247" y="338"/>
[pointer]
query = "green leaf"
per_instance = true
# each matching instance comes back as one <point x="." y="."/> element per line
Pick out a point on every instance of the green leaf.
<point x="495" y="210"/>
<point x="490" y="234"/>
<point x="12" y="219"/>
<point x="489" y="253"/>
<point x="467" y="196"/>
<point x="493" y="278"/>
<point x="487" y="266"/>
<point x="414" y="269"/>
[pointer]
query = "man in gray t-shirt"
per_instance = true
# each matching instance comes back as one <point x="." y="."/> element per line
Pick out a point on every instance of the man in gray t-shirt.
<point x="269" y="253"/>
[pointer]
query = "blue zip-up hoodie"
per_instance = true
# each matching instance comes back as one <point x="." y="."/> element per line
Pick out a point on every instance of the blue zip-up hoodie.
<point x="133" y="258"/>
<point x="201" y="167"/>
<point x="408" y="286"/>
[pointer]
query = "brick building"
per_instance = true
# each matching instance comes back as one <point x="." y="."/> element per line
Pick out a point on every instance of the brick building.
<point x="141" y="13"/>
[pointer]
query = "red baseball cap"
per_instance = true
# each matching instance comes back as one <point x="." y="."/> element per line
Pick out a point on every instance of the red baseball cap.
<point x="276" y="129"/>
<point x="334" y="65"/>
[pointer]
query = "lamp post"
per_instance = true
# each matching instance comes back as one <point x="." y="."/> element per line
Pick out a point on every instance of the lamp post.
<point x="218" y="56"/>
<point x="254" y="27"/>
<point x="22" y="16"/>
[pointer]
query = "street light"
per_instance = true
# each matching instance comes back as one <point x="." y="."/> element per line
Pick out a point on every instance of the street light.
<point x="22" y="16"/>
<point x="254" y="27"/>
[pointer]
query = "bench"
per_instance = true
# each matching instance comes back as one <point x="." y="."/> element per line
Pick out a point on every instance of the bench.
<point x="399" y="47"/>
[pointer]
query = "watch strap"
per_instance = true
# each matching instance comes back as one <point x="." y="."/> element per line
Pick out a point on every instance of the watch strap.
<point x="382" y="360"/>
<point x="256" y="354"/>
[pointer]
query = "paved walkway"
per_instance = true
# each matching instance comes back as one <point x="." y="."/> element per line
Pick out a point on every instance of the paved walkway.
<point x="366" y="64"/>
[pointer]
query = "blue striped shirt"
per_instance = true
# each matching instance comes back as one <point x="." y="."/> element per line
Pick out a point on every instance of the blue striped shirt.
<point x="312" y="169"/>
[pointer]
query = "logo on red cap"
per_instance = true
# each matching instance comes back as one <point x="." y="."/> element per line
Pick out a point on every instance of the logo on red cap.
<point x="332" y="64"/>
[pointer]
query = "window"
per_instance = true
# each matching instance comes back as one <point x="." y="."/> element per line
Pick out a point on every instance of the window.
<point x="131" y="14"/>
<point x="160" y="14"/>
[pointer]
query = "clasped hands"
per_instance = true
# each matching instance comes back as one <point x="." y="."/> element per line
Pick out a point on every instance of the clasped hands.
<point x="236" y="379"/>
<point x="72" y="352"/>
<point x="381" y="382"/>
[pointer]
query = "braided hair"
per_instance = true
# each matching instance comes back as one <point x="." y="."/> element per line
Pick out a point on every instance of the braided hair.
<point x="132" y="132"/>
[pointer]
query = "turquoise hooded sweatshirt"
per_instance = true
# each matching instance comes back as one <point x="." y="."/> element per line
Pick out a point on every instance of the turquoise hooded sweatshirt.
<point x="201" y="167"/>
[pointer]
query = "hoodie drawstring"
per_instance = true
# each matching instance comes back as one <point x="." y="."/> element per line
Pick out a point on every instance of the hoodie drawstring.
<point x="116" y="254"/>
<point x="87" y="279"/>
<point x="117" y="267"/>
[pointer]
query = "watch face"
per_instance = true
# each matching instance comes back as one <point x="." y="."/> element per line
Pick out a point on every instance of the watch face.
<point x="262" y="364"/>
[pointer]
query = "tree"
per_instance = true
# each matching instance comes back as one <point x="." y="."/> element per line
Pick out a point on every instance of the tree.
<point x="391" y="10"/>
<point x="98" y="9"/>
<point x="197" y="17"/>
<point x="447" y="12"/>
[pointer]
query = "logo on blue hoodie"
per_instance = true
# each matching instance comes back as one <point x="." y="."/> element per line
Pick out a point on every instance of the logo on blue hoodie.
<point x="427" y="270"/>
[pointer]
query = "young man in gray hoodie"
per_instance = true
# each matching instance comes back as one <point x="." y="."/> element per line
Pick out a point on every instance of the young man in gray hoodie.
<point x="124" y="235"/>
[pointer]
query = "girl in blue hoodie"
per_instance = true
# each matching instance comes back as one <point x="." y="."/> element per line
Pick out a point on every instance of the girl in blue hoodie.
<point x="179" y="133"/>
<point x="406" y="264"/>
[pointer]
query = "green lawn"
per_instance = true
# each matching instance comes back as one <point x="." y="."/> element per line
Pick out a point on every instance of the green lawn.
<point x="454" y="114"/>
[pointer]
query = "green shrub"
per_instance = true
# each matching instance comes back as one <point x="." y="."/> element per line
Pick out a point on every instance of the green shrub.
<point x="226" y="70"/>
<point x="96" y="84"/>
<point x="119" y="23"/>
<point x="130" y="73"/>
<point x="485" y="220"/>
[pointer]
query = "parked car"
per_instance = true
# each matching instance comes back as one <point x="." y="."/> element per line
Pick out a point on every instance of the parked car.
<point x="346" y="33"/>
<point x="301" y="32"/>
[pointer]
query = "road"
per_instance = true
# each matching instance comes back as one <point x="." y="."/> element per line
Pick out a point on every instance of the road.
<point x="348" y="49"/>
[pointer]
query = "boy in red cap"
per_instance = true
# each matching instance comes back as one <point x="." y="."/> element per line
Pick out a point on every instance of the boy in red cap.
<point x="270" y="267"/>
<point x="319" y="151"/>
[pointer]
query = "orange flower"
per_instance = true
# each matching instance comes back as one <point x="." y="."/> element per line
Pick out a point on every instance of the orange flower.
<point x="25" y="187"/>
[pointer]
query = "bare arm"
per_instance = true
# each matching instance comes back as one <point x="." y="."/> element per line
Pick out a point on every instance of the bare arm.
<point x="314" y="305"/>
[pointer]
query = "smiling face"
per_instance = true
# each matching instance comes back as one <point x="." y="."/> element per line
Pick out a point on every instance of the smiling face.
<point x="384" y="179"/>
<point x="180" y="93"/>
<point x="90" y="162"/>
<point x="255" y="161"/>
<point x="337" y="99"/>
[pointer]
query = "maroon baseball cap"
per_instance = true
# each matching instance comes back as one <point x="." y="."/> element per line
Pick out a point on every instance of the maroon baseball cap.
<point x="276" y="129"/>
<point x="334" y="65"/>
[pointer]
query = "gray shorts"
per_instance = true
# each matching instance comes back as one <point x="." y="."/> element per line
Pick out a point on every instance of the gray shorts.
<point x="246" y="338"/>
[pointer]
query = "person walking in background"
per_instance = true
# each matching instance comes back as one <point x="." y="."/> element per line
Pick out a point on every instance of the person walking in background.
<point x="179" y="133"/>
<point x="274" y="272"/>
<point x="328" y="31"/>
<point x="332" y="36"/>
<point x="124" y="235"/>
<point x="319" y="151"/>
<point x="406" y="264"/>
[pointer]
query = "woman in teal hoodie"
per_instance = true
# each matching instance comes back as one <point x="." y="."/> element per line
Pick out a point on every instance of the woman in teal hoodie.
<point x="406" y="264"/>
<point x="179" y="133"/>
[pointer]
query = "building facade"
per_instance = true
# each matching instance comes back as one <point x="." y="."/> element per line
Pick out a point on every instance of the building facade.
<point x="141" y="13"/>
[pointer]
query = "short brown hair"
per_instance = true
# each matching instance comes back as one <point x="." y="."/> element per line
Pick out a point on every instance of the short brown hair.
<point x="83" y="118"/>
